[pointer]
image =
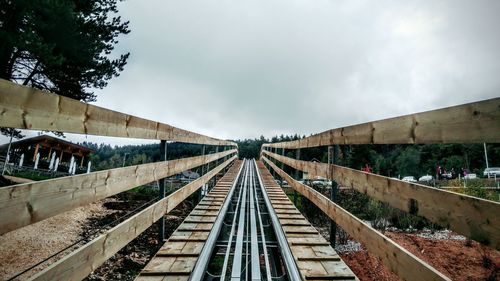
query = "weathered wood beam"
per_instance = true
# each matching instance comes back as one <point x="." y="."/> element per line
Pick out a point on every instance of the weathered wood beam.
<point x="80" y="263"/>
<point x="396" y="258"/>
<point x="24" y="204"/>
<point x="473" y="217"/>
<point x="476" y="122"/>
<point x="28" y="108"/>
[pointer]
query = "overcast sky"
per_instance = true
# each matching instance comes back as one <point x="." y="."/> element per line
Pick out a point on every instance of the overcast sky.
<point x="241" y="69"/>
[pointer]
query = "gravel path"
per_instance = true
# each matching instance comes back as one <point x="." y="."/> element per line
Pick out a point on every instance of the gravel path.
<point x="24" y="247"/>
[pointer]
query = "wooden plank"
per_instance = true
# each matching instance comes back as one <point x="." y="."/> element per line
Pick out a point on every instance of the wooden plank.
<point x="24" y="204"/>
<point x="28" y="108"/>
<point x="17" y="179"/>
<point x="396" y="258"/>
<point x="175" y="248"/>
<point x="475" y="122"/>
<point x="86" y="259"/>
<point x="313" y="255"/>
<point x="470" y="216"/>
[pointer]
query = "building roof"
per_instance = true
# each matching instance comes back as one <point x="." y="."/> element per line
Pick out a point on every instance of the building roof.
<point x="52" y="141"/>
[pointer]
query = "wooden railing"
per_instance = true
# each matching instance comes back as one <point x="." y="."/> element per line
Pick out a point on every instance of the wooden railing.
<point x="28" y="108"/>
<point x="473" y="217"/>
<point x="23" y="204"/>
<point x="476" y="122"/>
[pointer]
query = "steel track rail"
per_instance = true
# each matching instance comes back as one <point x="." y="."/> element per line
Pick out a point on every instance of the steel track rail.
<point x="263" y="238"/>
<point x="291" y="267"/>
<point x="230" y="239"/>
<point x="204" y="257"/>
<point x="255" y="258"/>
<point x="238" y="250"/>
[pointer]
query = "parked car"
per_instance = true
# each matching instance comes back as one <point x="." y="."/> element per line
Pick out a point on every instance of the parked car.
<point x="320" y="181"/>
<point x="491" y="172"/>
<point x="426" y="178"/>
<point x="409" y="179"/>
<point x="470" y="176"/>
<point x="447" y="176"/>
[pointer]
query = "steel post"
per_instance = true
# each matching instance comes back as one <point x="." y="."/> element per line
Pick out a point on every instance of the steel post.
<point x="297" y="172"/>
<point x="333" y="158"/>
<point x="161" y="184"/>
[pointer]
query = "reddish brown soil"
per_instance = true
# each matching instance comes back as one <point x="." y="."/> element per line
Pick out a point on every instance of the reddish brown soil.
<point x="459" y="260"/>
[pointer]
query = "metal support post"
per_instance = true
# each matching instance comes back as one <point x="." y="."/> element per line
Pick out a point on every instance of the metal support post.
<point x="8" y="152"/>
<point x="161" y="184"/>
<point x="217" y="162"/>
<point x="297" y="172"/>
<point x="333" y="158"/>
<point x="282" y="166"/>
<point x="274" y="161"/>
<point x="203" y="171"/>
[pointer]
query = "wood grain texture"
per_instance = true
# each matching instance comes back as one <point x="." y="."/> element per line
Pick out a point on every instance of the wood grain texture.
<point x="476" y="122"/>
<point x="80" y="263"/>
<point x="24" y="204"/>
<point x="314" y="256"/>
<point x="178" y="256"/>
<point x="473" y="217"/>
<point x="27" y="108"/>
<point x="403" y="263"/>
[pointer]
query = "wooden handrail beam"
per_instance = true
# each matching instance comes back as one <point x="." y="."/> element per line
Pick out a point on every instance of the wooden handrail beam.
<point x="475" y="122"/>
<point x="470" y="216"/>
<point x="396" y="258"/>
<point x="28" y="108"/>
<point x="27" y="203"/>
<point x="80" y="263"/>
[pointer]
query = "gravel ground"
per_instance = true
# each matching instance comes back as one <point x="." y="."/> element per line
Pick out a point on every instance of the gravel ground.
<point x="441" y="235"/>
<point x="350" y="246"/>
<point x="24" y="247"/>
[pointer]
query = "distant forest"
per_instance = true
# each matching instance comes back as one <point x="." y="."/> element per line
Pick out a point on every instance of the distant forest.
<point x="393" y="160"/>
<point x="388" y="160"/>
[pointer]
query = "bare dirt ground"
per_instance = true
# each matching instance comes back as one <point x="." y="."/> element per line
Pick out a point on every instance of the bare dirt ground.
<point x="448" y="252"/>
<point x="457" y="259"/>
<point x="129" y="261"/>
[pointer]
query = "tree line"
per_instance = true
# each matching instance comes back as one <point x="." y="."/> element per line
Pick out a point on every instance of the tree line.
<point x="391" y="160"/>
<point x="388" y="160"/>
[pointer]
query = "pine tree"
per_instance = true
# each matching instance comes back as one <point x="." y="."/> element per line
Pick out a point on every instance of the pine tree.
<point x="61" y="46"/>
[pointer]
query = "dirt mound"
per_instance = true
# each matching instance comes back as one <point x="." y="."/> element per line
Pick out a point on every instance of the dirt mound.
<point x="460" y="260"/>
<point x="457" y="259"/>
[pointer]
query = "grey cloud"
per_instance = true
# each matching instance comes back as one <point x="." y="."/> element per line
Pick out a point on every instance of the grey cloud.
<point x="235" y="69"/>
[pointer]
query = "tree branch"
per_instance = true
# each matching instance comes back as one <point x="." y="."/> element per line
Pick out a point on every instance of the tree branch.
<point x="33" y="72"/>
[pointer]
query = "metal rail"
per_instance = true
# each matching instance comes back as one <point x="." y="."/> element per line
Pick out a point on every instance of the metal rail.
<point x="177" y="258"/>
<point x="249" y="244"/>
<point x="238" y="253"/>
<point x="201" y="263"/>
<point x="255" y="259"/>
<point x="231" y="224"/>
<point x="230" y="240"/>
<point x="242" y="239"/>
<point x="263" y="238"/>
<point x="291" y="266"/>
